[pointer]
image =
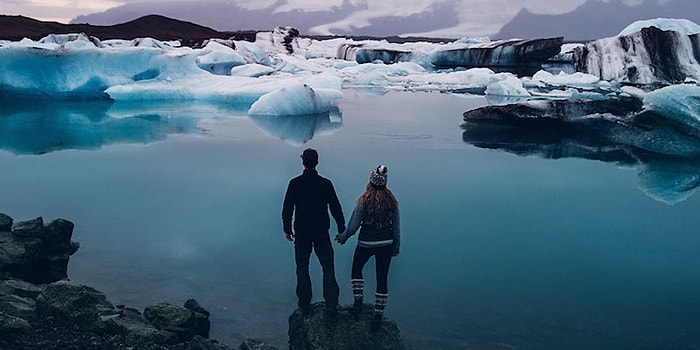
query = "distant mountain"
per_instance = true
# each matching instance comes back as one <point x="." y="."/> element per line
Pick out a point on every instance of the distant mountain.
<point x="16" y="28"/>
<point x="595" y="19"/>
<point x="153" y="26"/>
<point x="227" y="15"/>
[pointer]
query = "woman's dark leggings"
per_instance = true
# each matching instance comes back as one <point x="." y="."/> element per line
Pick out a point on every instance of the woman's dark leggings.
<point x="382" y="257"/>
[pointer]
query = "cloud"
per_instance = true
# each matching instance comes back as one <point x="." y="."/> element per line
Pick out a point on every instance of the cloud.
<point x="55" y="10"/>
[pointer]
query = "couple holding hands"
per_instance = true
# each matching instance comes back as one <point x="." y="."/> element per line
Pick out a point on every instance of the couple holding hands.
<point x="308" y="199"/>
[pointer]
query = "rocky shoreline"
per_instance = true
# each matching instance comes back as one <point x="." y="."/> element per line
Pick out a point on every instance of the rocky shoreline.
<point x="40" y="308"/>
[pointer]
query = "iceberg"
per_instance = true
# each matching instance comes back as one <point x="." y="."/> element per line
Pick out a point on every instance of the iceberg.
<point x="515" y="55"/>
<point x="680" y="103"/>
<point x="675" y="24"/>
<point x="240" y="73"/>
<point x="75" y="67"/>
<point x="644" y="53"/>
<point x="295" y="99"/>
<point x="219" y="59"/>
<point x="659" y="134"/>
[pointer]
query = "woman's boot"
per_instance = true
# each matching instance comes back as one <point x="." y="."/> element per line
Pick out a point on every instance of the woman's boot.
<point x="379" y="306"/>
<point x="358" y="286"/>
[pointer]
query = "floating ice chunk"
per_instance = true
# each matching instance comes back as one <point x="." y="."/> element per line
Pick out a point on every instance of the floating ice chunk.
<point x="677" y="102"/>
<point x="295" y="98"/>
<point x="85" y="73"/>
<point x="234" y="91"/>
<point x="252" y="70"/>
<point x="371" y="79"/>
<point x="141" y="42"/>
<point x="219" y="59"/>
<point x="323" y="81"/>
<point x="506" y="84"/>
<point x="679" y="25"/>
<point x="252" y="53"/>
<point x="633" y="91"/>
<point x="71" y="41"/>
<point x="562" y="79"/>
<point x="474" y="77"/>
<point x="296" y="64"/>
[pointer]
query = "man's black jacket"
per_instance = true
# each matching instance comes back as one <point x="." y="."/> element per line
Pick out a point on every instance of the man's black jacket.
<point x="309" y="196"/>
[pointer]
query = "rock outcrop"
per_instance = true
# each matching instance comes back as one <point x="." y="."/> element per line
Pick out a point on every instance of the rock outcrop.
<point x="35" y="252"/>
<point x="320" y="330"/>
<point x="41" y="309"/>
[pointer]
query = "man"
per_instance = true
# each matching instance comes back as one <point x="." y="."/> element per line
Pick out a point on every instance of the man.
<point x="309" y="197"/>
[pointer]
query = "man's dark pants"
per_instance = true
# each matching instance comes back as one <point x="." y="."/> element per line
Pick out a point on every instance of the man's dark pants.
<point x="321" y="244"/>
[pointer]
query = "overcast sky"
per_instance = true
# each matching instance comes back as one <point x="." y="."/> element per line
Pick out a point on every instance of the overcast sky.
<point x="476" y="16"/>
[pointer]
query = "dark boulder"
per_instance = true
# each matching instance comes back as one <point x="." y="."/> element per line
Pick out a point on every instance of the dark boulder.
<point x="36" y="253"/>
<point x="319" y="330"/>
<point x="12" y="324"/>
<point x="73" y="303"/>
<point x="255" y="344"/>
<point x="17" y="306"/>
<point x="184" y="322"/>
<point x="29" y="229"/>
<point x="5" y="223"/>
<point x="20" y="288"/>
<point x="132" y="329"/>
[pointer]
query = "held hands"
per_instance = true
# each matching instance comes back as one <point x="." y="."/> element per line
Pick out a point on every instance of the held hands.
<point x="339" y="236"/>
<point x="290" y="236"/>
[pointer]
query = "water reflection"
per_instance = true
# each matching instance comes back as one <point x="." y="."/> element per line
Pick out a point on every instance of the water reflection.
<point x="670" y="175"/>
<point x="299" y="129"/>
<point x="38" y="127"/>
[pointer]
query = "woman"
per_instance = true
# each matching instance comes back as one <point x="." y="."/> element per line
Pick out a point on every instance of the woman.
<point x="377" y="212"/>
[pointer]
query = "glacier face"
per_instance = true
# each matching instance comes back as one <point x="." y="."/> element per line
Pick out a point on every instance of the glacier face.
<point x="648" y="56"/>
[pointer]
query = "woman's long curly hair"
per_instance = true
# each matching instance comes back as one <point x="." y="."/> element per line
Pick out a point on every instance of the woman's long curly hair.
<point x="379" y="205"/>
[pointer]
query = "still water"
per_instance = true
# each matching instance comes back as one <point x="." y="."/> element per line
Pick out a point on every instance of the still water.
<point x="174" y="202"/>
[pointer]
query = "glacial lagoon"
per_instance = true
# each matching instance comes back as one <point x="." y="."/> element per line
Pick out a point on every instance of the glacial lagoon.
<point x="178" y="201"/>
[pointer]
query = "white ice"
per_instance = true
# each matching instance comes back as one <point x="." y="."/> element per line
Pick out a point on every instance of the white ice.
<point x="263" y="77"/>
<point x="679" y="25"/>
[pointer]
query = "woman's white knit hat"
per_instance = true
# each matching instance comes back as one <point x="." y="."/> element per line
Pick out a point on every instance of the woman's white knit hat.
<point x="379" y="176"/>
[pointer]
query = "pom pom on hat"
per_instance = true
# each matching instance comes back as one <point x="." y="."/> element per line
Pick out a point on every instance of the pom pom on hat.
<point x="379" y="176"/>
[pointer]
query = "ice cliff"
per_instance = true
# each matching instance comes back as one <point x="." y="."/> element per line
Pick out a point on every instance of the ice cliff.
<point x="646" y="52"/>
